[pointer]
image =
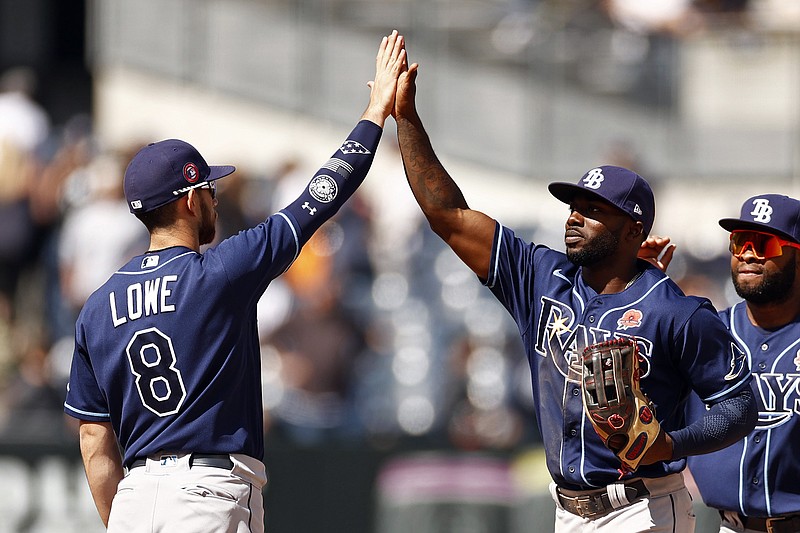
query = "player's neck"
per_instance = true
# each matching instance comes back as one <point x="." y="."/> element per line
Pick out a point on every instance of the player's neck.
<point x="610" y="280"/>
<point x="177" y="235"/>
<point x="774" y="315"/>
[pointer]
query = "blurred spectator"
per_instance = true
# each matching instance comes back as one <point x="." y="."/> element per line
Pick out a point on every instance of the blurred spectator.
<point x="24" y="127"/>
<point x="16" y="225"/>
<point x="481" y="415"/>
<point x="231" y="207"/>
<point x="672" y="17"/>
<point x="314" y="371"/>
<point x="99" y="235"/>
<point x="317" y="347"/>
<point x="23" y="122"/>
<point x="33" y="405"/>
<point x="56" y="189"/>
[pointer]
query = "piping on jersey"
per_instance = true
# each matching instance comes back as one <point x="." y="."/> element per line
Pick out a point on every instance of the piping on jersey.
<point x="767" y="443"/>
<point x="645" y="295"/>
<point x="735" y="334"/>
<point x="80" y="412"/>
<point x="767" y="499"/>
<point x="496" y="256"/>
<point x="296" y="240"/>
<point x="745" y="443"/>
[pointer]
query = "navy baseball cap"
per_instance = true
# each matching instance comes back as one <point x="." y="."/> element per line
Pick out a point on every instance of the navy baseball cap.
<point x="619" y="186"/>
<point x="769" y="213"/>
<point x="164" y="171"/>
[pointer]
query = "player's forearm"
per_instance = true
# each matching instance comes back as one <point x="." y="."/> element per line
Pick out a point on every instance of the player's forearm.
<point x="723" y="424"/>
<point x="103" y="478"/>
<point x="103" y="465"/>
<point x="435" y="191"/>
<point x="336" y="180"/>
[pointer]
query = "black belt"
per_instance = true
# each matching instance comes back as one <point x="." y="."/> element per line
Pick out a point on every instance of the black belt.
<point x="595" y="503"/>
<point x="788" y="523"/>
<point x="199" y="459"/>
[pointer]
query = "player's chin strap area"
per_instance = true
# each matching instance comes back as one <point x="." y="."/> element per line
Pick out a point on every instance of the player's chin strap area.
<point x="599" y="502"/>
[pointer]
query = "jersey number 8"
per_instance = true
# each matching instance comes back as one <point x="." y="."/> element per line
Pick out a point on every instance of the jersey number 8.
<point x="152" y="361"/>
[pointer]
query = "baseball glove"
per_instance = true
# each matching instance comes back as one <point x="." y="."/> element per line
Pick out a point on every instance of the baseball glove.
<point x="621" y="414"/>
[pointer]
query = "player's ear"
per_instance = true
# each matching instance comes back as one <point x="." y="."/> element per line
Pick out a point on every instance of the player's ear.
<point x="636" y="231"/>
<point x="192" y="201"/>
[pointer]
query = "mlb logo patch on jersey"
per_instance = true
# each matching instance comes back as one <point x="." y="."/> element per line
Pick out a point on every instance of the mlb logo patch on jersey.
<point x="632" y="318"/>
<point x="150" y="261"/>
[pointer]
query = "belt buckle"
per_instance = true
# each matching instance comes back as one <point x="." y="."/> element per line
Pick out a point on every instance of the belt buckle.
<point x="587" y="506"/>
<point x="773" y="520"/>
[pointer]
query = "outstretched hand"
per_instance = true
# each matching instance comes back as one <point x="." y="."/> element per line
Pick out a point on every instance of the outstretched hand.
<point x="404" y="105"/>
<point x="389" y="63"/>
<point x="658" y="251"/>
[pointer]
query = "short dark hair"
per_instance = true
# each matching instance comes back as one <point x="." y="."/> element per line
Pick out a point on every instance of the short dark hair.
<point x="160" y="217"/>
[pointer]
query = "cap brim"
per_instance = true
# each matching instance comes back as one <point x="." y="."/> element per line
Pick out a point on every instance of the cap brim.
<point x="567" y="191"/>
<point x="732" y="224"/>
<point x="219" y="171"/>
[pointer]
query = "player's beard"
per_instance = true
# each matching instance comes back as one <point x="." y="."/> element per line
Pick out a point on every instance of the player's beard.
<point x="208" y="224"/>
<point x="598" y="248"/>
<point x="773" y="288"/>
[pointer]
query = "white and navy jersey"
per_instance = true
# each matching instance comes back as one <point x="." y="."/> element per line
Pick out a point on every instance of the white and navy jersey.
<point x="167" y="350"/>
<point x="760" y="474"/>
<point x="684" y="343"/>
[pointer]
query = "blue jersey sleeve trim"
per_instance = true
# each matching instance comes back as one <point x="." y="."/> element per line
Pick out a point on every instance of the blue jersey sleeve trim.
<point x="86" y="413"/>
<point x="730" y="390"/>
<point x="294" y="234"/>
<point x="495" y="260"/>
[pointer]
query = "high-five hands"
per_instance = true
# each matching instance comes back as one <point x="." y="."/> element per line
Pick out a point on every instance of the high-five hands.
<point x="389" y="63"/>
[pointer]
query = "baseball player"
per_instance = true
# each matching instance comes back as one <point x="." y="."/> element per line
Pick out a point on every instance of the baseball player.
<point x="166" y="364"/>
<point x="595" y="292"/>
<point x="754" y="483"/>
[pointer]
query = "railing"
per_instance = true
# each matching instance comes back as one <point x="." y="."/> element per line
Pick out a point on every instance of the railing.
<point x="533" y="92"/>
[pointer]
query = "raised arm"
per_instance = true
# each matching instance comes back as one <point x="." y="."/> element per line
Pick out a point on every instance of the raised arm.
<point x="340" y="176"/>
<point x="469" y="233"/>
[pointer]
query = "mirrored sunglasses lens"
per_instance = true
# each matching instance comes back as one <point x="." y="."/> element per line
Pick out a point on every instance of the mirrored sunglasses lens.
<point x="762" y="245"/>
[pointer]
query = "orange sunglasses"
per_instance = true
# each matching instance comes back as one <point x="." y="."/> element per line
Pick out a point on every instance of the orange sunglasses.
<point x="763" y="245"/>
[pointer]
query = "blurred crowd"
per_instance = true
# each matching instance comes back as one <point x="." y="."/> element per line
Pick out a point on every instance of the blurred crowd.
<point x="627" y="48"/>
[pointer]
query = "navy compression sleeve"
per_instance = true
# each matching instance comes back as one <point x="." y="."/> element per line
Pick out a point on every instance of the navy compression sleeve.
<point x="723" y="424"/>
<point x="336" y="180"/>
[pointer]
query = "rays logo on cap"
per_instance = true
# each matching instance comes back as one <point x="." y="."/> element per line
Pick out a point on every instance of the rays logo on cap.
<point x="323" y="188"/>
<point x="762" y="212"/>
<point x="594" y="178"/>
<point x="190" y="172"/>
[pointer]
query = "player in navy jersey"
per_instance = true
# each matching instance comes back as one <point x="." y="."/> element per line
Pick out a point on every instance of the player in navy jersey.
<point x="755" y="483"/>
<point x="597" y="291"/>
<point x="166" y="366"/>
